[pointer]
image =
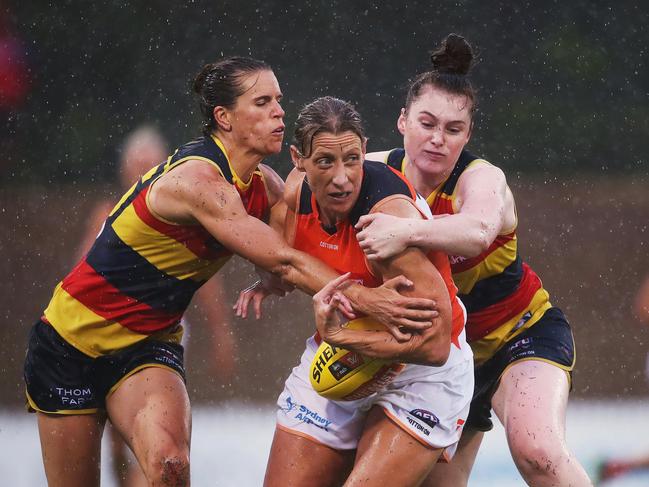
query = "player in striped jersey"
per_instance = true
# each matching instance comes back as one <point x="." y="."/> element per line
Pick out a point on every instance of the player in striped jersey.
<point x="523" y="346"/>
<point x="108" y="344"/>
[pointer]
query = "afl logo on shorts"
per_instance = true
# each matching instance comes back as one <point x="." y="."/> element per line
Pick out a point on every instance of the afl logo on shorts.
<point x="426" y="416"/>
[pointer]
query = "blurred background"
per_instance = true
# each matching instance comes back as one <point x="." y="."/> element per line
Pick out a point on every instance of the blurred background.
<point x="563" y="110"/>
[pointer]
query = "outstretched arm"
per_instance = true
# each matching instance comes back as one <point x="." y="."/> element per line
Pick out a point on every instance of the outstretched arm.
<point x="641" y="305"/>
<point x="485" y="208"/>
<point x="196" y="192"/>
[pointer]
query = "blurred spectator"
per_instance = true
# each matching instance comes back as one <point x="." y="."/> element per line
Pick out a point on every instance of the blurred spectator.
<point x="612" y="468"/>
<point x="143" y="148"/>
<point x="14" y="79"/>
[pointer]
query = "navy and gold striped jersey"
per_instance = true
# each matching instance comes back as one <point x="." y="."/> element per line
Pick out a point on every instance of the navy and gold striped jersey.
<point x="141" y="273"/>
<point x="502" y="294"/>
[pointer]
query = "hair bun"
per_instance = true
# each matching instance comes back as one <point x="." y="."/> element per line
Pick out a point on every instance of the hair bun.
<point x="454" y="56"/>
<point x="199" y="81"/>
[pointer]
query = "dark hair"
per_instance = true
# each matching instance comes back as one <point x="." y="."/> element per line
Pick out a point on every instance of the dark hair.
<point x="220" y="84"/>
<point x="325" y="114"/>
<point x="452" y="62"/>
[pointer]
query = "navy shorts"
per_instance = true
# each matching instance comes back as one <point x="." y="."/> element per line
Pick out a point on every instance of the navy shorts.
<point x="61" y="379"/>
<point x="549" y="339"/>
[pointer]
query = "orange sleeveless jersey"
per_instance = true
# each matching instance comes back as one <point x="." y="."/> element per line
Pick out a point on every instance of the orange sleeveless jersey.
<point x="338" y="246"/>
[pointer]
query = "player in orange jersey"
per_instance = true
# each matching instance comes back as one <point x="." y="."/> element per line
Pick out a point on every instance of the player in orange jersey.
<point x="415" y="419"/>
<point x="523" y="346"/>
<point x="108" y="344"/>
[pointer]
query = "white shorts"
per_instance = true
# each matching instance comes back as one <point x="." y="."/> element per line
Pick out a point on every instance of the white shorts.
<point x="430" y="403"/>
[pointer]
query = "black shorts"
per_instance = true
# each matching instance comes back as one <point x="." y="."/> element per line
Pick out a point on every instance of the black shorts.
<point x="61" y="379"/>
<point x="549" y="339"/>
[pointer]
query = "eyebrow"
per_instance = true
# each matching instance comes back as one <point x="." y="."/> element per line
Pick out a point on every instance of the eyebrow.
<point x="326" y="152"/>
<point x="426" y="112"/>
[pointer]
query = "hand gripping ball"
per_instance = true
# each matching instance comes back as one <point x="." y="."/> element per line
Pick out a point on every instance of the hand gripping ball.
<point x="343" y="375"/>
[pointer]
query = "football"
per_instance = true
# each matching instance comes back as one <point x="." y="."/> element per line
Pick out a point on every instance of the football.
<point x="343" y="375"/>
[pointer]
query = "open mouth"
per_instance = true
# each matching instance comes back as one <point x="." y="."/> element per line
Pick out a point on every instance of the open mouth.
<point x="340" y="195"/>
<point x="278" y="131"/>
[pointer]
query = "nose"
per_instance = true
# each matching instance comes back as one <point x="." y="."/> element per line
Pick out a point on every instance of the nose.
<point x="340" y="175"/>
<point x="278" y="111"/>
<point x="437" y="137"/>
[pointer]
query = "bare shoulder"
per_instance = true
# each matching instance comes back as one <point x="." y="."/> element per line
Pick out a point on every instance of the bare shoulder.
<point x="483" y="175"/>
<point x="381" y="156"/>
<point x="274" y="183"/>
<point x="484" y="185"/>
<point x="292" y="188"/>
<point x="195" y="184"/>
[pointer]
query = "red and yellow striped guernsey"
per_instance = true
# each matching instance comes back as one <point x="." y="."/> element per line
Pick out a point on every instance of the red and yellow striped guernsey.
<point x="141" y="273"/>
<point x="503" y="295"/>
<point x="338" y="246"/>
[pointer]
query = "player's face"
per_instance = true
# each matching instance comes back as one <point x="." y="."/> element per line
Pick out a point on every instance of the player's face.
<point x="435" y="129"/>
<point x="334" y="171"/>
<point x="257" y="119"/>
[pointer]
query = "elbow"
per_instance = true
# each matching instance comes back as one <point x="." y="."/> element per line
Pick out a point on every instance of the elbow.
<point x="281" y="266"/>
<point x="437" y="348"/>
<point x="437" y="356"/>
<point x="479" y="242"/>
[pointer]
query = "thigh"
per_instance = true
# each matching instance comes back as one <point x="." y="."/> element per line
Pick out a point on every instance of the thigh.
<point x="298" y="461"/>
<point x="385" y="449"/>
<point x="71" y="447"/>
<point x="150" y="409"/>
<point x="456" y="472"/>
<point x="549" y="340"/>
<point x="531" y="400"/>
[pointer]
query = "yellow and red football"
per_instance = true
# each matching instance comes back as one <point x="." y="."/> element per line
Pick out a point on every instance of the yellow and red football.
<point x="344" y="375"/>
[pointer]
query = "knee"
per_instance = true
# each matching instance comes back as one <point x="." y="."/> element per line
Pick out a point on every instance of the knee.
<point x="170" y="469"/>
<point x="539" y="460"/>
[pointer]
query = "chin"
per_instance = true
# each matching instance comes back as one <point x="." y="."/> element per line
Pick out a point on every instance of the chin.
<point x="274" y="148"/>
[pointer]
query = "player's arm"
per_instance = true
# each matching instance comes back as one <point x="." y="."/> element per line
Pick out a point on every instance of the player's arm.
<point x="268" y="284"/>
<point x="484" y="206"/>
<point x="196" y="192"/>
<point x="641" y="303"/>
<point x="430" y="346"/>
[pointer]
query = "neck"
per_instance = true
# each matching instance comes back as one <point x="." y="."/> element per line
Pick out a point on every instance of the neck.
<point x="330" y="219"/>
<point x="243" y="160"/>
<point x="424" y="183"/>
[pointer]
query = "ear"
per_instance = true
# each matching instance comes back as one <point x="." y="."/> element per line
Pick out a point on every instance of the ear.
<point x="298" y="160"/>
<point x="364" y="146"/>
<point x="222" y="117"/>
<point x="401" y="122"/>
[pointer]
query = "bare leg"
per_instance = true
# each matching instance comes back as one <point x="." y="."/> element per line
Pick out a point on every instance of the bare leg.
<point x="125" y="466"/>
<point x="118" y="455"/>
<point x="456" y="473"/>
<point x="151" y="411"/>
<point x="386" y="451"/>
<point x="71" y="446"/>
<point x="297" y="461"/>
<point x="531" y="403"/>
